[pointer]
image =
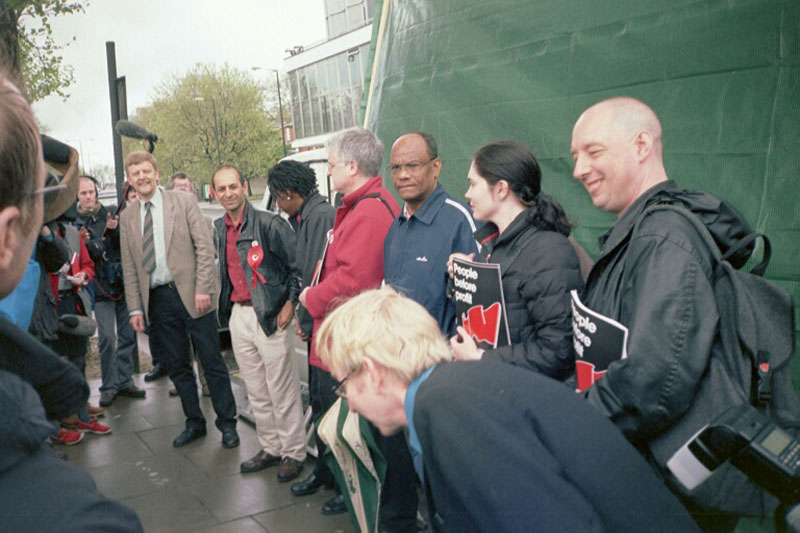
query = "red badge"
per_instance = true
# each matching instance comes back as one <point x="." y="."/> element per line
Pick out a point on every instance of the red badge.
<point x="254" y="258"/>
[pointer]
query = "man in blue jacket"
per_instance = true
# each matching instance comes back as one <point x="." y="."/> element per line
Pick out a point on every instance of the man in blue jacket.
<point x="431" y="226"/>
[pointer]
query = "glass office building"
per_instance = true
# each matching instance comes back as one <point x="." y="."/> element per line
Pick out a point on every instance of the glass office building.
<point x="326" y="80"/>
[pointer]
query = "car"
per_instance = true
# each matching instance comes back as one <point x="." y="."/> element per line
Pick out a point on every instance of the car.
<point x="317" y="159"/>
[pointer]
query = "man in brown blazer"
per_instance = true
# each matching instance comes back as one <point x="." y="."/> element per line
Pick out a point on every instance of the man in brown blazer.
<point x="170" y="282"/>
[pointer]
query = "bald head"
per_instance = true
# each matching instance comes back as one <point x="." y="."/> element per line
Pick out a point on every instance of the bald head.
<point x="628" y="116"/>
<point x="617" y="149"/>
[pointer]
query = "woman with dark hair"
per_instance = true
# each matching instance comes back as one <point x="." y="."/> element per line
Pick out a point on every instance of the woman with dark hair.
<point x="526" y="234"/>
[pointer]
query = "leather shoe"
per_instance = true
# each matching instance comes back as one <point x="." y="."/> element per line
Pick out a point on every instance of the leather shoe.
<point x="335" y="505"/>
<point x="289" y="469"/>
<point x="107" y="398"/>
<point x="259" y="461"/>
<point x="159" y="371"/>
<point x="132" y="391"/>
<point x="230" y="439"/>
<point x="309" y="485"/>
<point x="187" y="436"/>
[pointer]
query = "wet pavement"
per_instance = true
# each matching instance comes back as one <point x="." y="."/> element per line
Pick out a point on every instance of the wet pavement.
<point x="197" y="487"/>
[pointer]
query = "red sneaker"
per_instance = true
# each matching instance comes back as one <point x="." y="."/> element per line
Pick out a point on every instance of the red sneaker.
<point x="92" y="426"/>
<point x="66" y="437"/>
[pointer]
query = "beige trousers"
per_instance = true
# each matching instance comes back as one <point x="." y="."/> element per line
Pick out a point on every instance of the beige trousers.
<point x="273" y="384"/>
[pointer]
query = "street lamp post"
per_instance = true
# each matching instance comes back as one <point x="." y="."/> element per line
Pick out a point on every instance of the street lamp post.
<point x="216" y="133"/>
<point x="280" y="105"/>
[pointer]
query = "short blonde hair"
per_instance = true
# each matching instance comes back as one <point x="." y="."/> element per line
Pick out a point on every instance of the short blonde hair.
<point x="140" y="156"/>
<point x="389" y="328"/>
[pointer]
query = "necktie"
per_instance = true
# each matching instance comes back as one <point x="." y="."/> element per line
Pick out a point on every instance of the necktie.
<point x="148" y="247"/>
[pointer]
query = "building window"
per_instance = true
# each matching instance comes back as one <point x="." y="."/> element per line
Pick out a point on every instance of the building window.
<point x="343" y="16"/>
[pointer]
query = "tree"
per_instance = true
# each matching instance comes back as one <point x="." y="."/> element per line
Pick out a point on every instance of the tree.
<point x="27" y="46"/>
<point x="182" y="115"/>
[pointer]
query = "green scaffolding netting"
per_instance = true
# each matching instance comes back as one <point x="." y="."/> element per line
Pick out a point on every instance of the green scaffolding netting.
<point x="723" y="76"/>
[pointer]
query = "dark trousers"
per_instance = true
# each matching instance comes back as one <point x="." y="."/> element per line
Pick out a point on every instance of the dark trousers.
<point x="398" y="511"/>
<point x="171" y="326"/>
<point x="71" y="346"/>
<point x="322" y="397"/>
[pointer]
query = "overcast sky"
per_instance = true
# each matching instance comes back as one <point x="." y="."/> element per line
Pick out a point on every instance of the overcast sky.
<point x="155" y="39"/>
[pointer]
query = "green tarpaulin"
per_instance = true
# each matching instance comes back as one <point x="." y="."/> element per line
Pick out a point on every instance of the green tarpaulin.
<point x="724" y="77"/>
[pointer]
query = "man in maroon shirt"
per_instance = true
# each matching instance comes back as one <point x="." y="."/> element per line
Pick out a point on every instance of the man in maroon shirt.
<point x="260" y="282"/>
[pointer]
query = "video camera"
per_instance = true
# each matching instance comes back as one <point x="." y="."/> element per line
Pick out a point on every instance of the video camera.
<point x="754" y="444"/>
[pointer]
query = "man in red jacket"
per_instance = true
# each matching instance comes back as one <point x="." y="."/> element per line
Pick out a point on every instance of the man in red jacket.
<point x="353" y="259"/>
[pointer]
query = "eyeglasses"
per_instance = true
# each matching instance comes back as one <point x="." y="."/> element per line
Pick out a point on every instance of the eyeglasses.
<point x="412" y="167"/>
<point x="49" y="190"/>
<point x="338" y="389"/>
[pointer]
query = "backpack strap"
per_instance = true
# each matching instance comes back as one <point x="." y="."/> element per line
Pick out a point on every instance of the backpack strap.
<point x="379" y="197"/>
<point x="761" y="373"/>
<point x="746" y="241"/>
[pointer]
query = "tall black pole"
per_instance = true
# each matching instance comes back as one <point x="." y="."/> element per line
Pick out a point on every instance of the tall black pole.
<point x="119" y="171"/>
<point x="280" y="108"/>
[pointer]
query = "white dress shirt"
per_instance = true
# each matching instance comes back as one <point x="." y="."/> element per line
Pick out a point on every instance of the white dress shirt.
<point x="161" y="275"/>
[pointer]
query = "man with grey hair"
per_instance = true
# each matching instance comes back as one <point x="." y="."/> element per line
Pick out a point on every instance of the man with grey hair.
<point x="353" y="260"/>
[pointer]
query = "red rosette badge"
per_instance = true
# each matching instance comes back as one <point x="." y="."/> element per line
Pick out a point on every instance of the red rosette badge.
<point x="254" y="257"/>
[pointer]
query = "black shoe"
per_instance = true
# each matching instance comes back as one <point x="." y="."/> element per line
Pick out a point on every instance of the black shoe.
<point x="335" y="505"/>
<point x="132" y="391"/>
<point x="187" y="436"/>
<point x="310" y="485"/>
<point x="107" y="398"/>
<point x="230" y="439"/>
<point x="159" y="371"/>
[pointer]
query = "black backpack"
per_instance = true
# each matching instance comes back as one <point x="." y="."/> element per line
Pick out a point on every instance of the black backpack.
<point x="751" y="362"/>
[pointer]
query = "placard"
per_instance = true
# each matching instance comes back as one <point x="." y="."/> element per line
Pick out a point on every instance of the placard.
<point x="480" y="304"/>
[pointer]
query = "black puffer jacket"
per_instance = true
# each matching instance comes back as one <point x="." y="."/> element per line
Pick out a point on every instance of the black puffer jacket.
<point x="278" y="267"/>
<point x="656" y="282"/>
<point x="538" y="269"/>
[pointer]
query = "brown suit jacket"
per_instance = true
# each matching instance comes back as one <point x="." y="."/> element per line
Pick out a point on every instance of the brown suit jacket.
<point x="190" y="253"/>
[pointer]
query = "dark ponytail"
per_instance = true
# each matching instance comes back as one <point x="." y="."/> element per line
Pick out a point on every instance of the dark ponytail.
<point x="516" y="165"/>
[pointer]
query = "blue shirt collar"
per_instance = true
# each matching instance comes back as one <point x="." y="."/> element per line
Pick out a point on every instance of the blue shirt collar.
<point x="413" y="439"/>
<point x="430" y="207"/>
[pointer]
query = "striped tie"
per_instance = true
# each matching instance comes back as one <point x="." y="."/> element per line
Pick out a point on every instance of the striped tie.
<point x="148" y="247"/>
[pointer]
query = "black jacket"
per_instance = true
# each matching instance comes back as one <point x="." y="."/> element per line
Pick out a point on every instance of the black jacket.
<point x="103" y="247"/>
<point x="656" y="282"/>
<point x="316" y="218"/>
<point x="278" y="267"/>
<point x="538" y="270"/>
<point x="60" y="384"/>
<point x="38" y="490"/>
<point x="509" y="450"/>
<point x="51" y="254"/>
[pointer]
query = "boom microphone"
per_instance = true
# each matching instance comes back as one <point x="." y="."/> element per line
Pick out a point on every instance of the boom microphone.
<point x="126" y="128"/>
<point x="55" y="151"/>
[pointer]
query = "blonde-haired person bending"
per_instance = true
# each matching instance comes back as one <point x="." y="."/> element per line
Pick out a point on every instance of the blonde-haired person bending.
<point x="499" y="449"/>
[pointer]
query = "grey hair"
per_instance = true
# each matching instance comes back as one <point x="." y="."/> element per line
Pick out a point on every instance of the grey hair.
<point x="361" y="146"/>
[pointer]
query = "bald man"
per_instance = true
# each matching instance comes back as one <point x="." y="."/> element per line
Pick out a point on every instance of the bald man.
<point x="652" y="276"/>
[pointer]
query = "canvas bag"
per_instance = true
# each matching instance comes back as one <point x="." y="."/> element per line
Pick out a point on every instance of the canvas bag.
<point x="756" y="327"/>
